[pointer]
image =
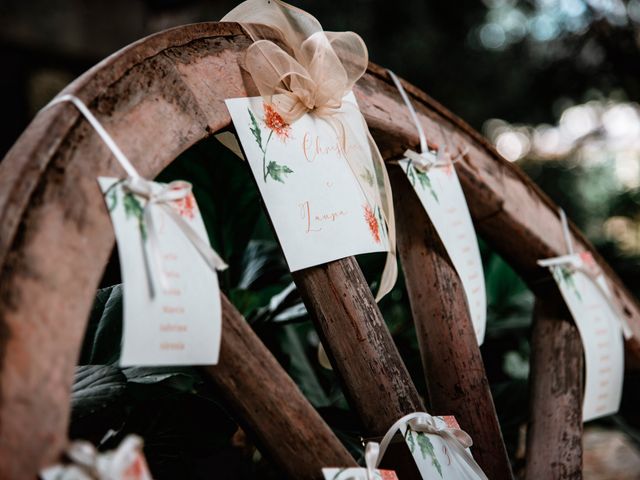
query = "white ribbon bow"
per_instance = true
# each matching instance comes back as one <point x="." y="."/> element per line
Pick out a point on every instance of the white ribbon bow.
<point x="89" y="464"/>
<point x="149" y="191"/>
<point x="162" y="198"/>
<point x="571" y="260"/>
<point x="456" y="439"/>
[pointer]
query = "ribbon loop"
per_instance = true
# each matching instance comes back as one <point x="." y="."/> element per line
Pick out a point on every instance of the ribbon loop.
<point x="576" y="263"/>
<point x="163" y="196"/>
<point x="371" y="453"/>
<point x="455" y="438"/>
<point x="299" y="68"/>
<point x="154" y="194"/>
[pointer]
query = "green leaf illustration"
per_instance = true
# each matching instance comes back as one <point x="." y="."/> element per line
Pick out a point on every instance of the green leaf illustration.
<point x="112" y="199"/>
<point x="277" y="171"/>
<point x="133" y="208"/>
<point x="425" y="181"/>
<point x="426" y="448"/>
<point x="367" y="177"/>
<point x="408" y="436"/>
<point x="255" y="129"/>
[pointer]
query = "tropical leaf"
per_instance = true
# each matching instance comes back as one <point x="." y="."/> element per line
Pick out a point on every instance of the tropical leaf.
<point x="96" y="387"/>
<point x="277" y="171"/>
<point x="103" y="337"/>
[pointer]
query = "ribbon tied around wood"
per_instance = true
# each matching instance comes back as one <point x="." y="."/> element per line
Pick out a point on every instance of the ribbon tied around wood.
<point x="155" y="194"/>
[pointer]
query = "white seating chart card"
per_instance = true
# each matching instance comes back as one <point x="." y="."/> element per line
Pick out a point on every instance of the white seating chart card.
<point x="586" y="293"/>
<point x="316" y="204"/>
<point x="441" y="195"/>
<point x="175" y="319"/>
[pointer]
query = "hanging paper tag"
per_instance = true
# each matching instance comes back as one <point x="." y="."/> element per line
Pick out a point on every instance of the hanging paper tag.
<point x="357" y="474"/>
<point x="317" y="206"/>
<point x="441" y="196"/>
<point x="600" y="330"/>
<point x="174" y="316"/>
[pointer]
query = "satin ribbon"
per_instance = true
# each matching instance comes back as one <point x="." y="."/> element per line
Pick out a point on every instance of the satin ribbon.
<point x="574" y="265"/>
<point x="87" y="463"/>
<point x="155" y="195"/>
<point x="456" y="439"/>
<point x="427" y="158"/>
<point x="163" y="198"/>
<point x="311" y="73"/>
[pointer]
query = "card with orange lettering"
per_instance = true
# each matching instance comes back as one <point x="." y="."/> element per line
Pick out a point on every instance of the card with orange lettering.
<point x="440" y="193"/>
<point x="172" y="312"/>
<point x="315" y="201"/>
<point x="587" y="295"/>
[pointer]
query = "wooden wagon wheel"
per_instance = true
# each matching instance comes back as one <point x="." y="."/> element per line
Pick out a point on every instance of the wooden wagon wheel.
<point x="157" y="98"/>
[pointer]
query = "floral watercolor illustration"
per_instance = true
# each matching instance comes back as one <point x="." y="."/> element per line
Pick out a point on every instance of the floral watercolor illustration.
<point x="186" y="206"/>
<point x="276" y="124"/>
<point x="422" y="179"/>
<point x="133" y="207"/>
<point x="375" y="221"/>
<point x="564" y="275"/>
<point x="425" y="445"/>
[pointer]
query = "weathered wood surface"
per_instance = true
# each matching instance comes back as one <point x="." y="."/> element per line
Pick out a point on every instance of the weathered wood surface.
<point x="358" y="343"/>
<point x="270" y="405"/>
<point x="456" y="380"/>
<point x="554" y="437"/>
<point x="157" y="98"/>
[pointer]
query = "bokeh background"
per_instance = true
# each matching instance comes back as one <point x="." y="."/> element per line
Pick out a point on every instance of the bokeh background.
<point x="554" y="84"/>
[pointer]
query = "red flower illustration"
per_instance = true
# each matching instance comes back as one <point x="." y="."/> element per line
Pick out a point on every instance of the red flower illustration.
<point x="186" y="206"/>
<point x="276" y="123"/>
<point x="388" y="475"/>
<point x="372" y="221"/>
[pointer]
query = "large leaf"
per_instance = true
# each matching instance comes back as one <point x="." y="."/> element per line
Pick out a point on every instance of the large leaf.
<point x="96" y="387"/>
<point x="103" y="336"/>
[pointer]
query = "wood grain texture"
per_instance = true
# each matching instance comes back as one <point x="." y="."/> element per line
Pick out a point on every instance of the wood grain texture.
<point x="554" y="437"/>
<point x="454" y="371"/>
<point x="268" y="403"/>
<point x="358" y="343"/>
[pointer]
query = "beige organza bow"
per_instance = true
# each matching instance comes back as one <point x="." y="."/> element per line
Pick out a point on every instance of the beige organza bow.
<point x="298" y="68"/>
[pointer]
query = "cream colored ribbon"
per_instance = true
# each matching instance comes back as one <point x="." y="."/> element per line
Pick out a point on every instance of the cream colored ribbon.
<point x="426" y="159"/>
<point x="311" y="73"/>
<point x="574" y="265"/>
<point x="456" y="439"/>
<point x="155" y="195"/>
<point x="163" y="198"/>
<point x="89" y="464"/>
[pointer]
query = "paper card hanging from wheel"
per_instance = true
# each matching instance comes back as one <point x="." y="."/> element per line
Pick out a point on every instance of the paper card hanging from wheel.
<point x="587" y="295"/>
<point x="316" y="204"/>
